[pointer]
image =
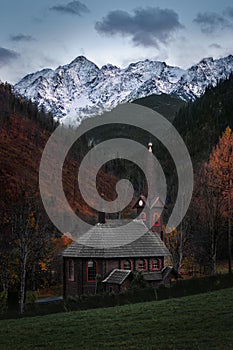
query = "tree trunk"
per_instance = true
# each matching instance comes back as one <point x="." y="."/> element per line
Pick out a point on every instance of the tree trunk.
<point x="213" y="254"/>
<point x="22" y="279"/>
<point x="229" y="228"/>
<point x="33" y="283"/>
<point x="229" y="246"/>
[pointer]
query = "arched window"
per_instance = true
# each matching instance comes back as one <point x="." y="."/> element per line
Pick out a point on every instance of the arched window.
<point x="155" y="264"/>
<point x="156" y="220"/>
<point x="143" y="216"/>
<point x="141" y="264"/>
<point x="91" y="270"/>
<point x="127" y="265"/>
<point x="71" y="270"/>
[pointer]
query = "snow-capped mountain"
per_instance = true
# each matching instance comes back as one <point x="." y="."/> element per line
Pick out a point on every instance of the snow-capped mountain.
<point x="80" y="89"/>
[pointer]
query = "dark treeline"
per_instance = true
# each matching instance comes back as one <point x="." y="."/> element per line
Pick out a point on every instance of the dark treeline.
<point x="203" y="124"/>
<point x="11" y="103"/>
<point x="200" y="123"/>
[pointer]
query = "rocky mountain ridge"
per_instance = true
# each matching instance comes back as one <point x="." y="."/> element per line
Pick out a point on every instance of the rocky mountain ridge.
<point x="80" y="89"/>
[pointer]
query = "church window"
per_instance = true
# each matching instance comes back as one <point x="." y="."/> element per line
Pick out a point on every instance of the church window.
<point x="156" y="264"/>
<point x="143" y="216"/>
<point x="140" y="203"/>
<point x="156" y="220"/>
<point x="91" y="270"/>
<point x="141" y="264"/>
<point x="71" y="270"/>
<point x="127" y="265"/>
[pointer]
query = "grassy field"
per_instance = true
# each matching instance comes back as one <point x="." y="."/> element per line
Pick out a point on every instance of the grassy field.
<point x="200" y="322"/>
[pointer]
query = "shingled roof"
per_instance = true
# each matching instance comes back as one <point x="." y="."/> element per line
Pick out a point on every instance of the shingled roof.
<point x="101" y="241"/>
<point x="152" y="276"/>
<point x="117" y="276"/>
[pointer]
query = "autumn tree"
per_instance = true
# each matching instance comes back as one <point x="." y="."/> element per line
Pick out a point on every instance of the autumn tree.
<point x="212" y="198"/>
<point x="28" y="238"/>
<point x="178" y="243"/>
<point x="24" y="226"/>
<point x="219" y="174"/>
<point x="174" y="243"/>
<point x="208" y="204"/>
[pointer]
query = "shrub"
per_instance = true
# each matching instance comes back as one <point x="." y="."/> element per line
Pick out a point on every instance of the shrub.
<point x="31" y="297"/>
<point x="135" y="294"/>
<point x="3" y="302"/>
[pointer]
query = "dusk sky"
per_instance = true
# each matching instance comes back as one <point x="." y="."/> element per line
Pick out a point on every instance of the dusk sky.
<point x="48" y="33"/>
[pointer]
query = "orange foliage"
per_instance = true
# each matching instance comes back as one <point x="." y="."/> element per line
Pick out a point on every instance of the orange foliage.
<point x="62" y="242"/>
<point x="220" y="165"/>
<point x="219" y="169"/>
<point x="43" y="266"/>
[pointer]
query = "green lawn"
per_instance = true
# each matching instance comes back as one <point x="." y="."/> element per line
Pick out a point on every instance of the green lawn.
<point x="203" y="321"/>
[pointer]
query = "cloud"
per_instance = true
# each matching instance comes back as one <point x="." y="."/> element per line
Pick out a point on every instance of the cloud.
<point x="72" y="8"/>
<point x="7" y="55"/>
<point x="147" y="27"/>
<point x="228" y="12"/>
<point x="211" y="21"/>
<point x="21" y="37"/>
<point x="215" y="46"/>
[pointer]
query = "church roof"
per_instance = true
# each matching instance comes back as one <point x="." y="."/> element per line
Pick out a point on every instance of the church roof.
<point x="160" y="275"/>
<point x="101" y="241"/>
<point x="117" y="276"/>
<point x="152" y="276"/>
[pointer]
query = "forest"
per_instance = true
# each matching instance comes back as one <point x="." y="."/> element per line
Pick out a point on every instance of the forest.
<point x="31" y="247"/>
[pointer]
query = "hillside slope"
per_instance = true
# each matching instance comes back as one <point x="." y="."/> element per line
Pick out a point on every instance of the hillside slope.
<point x="201" y="122"/>
<point x="201" y="322"/>
<point x="24" y="132"/>
<point x="167" y="105"/>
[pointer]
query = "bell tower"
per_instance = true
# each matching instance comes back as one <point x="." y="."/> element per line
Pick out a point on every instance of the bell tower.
<point x="150" y="209"/>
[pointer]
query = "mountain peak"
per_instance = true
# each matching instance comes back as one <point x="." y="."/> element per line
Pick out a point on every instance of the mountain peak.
<point x="109" y="66"/>
<point x="206" y="60"/>
<point x="81" y="60"/>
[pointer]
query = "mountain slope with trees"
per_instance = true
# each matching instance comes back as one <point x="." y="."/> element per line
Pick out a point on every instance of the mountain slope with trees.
<point x="167" y="105"/>
<point x="29" y="243"/>
<point x="206" y="127"/>
<point x="200" y="123"/>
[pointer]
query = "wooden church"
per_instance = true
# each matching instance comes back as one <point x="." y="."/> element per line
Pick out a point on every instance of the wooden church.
<point x="95" y="258"/>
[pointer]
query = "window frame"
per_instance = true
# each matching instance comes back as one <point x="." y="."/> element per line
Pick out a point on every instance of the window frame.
<point x="71" y="270"/>
<point x="144" y="264"/>
<point x="87" y="270"/>
<point x="123" y="263"/>
<point x="142" y="216"/>
<point x="153" y="268"/>
<point x="157" y="224"/>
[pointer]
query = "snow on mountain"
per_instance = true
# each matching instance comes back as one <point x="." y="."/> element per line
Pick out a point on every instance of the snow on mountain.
<point x="80" y="89"/>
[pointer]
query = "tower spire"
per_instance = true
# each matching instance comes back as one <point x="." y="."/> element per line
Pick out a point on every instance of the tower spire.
<point x="151" y="174"/>
<point x="151" y="207"/>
